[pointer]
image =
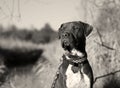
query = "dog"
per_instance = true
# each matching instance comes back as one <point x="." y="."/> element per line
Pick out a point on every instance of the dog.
<point x="75" y="66"/>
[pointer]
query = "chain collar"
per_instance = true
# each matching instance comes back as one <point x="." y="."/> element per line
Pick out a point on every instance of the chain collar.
<point x="74" y="59"/>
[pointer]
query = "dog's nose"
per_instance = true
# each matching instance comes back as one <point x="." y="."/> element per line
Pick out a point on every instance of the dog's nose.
<point x="66" y="43"/>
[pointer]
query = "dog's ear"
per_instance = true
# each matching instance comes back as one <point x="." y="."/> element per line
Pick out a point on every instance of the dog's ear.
<point x="59" y="31"/>
<point x="87" y="29"/>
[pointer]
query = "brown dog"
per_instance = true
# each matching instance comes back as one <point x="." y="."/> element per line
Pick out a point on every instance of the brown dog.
<point x="75" y="66"/>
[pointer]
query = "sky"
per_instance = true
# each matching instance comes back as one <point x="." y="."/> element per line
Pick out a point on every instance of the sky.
<point x="35" y="13"/>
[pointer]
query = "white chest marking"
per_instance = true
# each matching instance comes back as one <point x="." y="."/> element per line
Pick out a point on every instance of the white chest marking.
<point x="86" y="80"/>
<point x="73" y="79"/>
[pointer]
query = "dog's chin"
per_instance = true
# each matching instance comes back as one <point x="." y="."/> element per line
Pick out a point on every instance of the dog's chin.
<point x="67" y="48"/>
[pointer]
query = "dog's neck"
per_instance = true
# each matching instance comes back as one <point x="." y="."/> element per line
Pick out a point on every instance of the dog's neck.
<point x="75" y="58"/>
<point x="77" y="53"/>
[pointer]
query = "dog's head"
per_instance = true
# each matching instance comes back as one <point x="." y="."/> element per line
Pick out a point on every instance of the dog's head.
<point x="73" y="35"/>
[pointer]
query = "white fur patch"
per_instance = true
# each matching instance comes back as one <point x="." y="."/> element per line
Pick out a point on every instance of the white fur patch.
<point x="78" y="53"/>
<point x="73" y="79"/>
<point x="86" y="81"/>
<point x="67" y="58"/>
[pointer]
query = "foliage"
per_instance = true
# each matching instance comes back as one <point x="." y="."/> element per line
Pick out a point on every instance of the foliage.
<point x="44" y="35"/>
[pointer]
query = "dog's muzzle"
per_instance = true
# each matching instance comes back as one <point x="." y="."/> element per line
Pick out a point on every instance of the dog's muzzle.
<point x="66" y="43"/>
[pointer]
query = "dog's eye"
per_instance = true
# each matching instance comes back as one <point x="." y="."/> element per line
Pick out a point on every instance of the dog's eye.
<point x="66" y="35"/>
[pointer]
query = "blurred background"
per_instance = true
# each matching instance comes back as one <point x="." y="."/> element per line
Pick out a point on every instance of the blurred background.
<point x="30" y="50"/>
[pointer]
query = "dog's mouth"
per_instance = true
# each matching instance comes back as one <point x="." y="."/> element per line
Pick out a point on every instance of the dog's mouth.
<point x="67" y="47"/>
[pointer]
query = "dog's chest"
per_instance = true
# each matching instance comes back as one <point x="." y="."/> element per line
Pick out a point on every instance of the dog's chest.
<point x="72" y="79"/>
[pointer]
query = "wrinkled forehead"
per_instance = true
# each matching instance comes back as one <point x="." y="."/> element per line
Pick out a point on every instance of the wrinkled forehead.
<point x="70" y="26"/>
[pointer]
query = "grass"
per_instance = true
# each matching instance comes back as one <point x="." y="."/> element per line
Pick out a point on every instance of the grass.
<point x="33" y="76"/>
<point x="40" y="75"/>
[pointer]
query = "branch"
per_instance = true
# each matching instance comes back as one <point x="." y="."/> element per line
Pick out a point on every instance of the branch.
<point x="100" y="36"/>
<point x="102" y="76"/>
<point x="12" y="85"/>
<point x="19" y="13"/>
<point x="1" y="9"/>
<point x="102" y="43"/>
<point x="7" y="6"/>
<point x="12" y="11"/>
<point x="94" y="3"/>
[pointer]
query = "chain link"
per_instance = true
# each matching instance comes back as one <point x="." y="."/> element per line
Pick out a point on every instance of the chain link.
<point x="57" y="73"/>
